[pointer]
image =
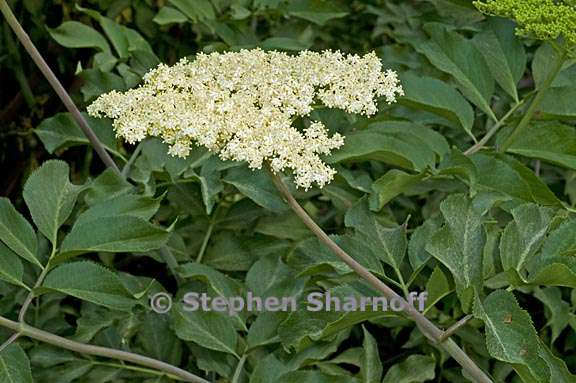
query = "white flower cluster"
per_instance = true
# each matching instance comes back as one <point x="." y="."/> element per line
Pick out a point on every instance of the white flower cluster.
<point x="242" y="105"/>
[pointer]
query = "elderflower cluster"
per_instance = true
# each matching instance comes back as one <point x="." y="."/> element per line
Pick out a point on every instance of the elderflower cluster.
<point x="243" y="104"/>
<point x="542" y="19"/>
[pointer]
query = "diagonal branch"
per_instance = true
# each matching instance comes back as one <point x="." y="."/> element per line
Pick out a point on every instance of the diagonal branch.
<point x="56" y="85"/>
<point x="55" y="340"/>
<point x="426" y="326"/>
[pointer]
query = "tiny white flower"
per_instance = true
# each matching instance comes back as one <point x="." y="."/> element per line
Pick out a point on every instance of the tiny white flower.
<point x="242" y="105"/>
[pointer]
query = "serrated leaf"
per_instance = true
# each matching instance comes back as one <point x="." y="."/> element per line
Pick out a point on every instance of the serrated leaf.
<point x="158" y="339"/>
<point x="497" y="172"/>
<point x="17" y="233"/>
<point x="311" y="377"/>
<point x="73" y="34"/>
<point x="257" y="186"/>
<point x="403" y="144"/>
<point x="503" y="53"/>
<point x="61" y="131"/>
<point x="436" y="96"/>
<point x="14" y="365"/>
<point x="209" y="329"/>
<point x="459" y="245"/>
<point x="90" y="282"/>
<point x="511" y="338"/>
<point x="558" y="311"/>
<point x="437" y="287"/>
<point x="523" y="235"/>
<point x="114" y="234"/>
<point x="371" y="364"/>
<point x="97" y="82"/>
<point x="556" y="265"/>
<point x="128" y="204"/>
<point x="105" y="186"/>
<point x="415" y="369"/>
<point x="551" y="142"/>
<point x="50" y="197"/>
<point x="453" y="54"/>
<point x="392" y="184"/>
<point x="387" y="243"/>
<point x="268" y="369"/>
<point x="222" y="284"/>
<point x="11" y="269"/>
<point x="557" y="102"/>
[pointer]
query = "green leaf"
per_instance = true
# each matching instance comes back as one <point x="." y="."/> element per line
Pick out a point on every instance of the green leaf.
<point x="196" y="10"/>
<point x="503" y="53"/>
<point x="268" y="369"/>
<point x="459" y="245"/>
<point x="17" y="233"/>
<point x="392" y="184"/>
<point x="90" y="282"/>
<point x="557" y="102"/>
<point x="552" y="142"/>
<point x="50" y="197"/>
<point x="14" y="365"/>
<point x="497" y="172"/>
<point x="73" y="34"/>
<point x="556" y="265"/>
<point x="312" y="254"/>
<point x="453" y="54"/>
<point x="417" y="253"/>
<point x="283" y="43"/>
<point x="97" y="82"/>
<point x="555" y="274"/>
<point x="388" y="243"/>
<point x="128" y="204"/>
<point x="436" y="96"/>
<point x="558" y="311"/>
<point x="61" y="131"/>
<point x="229" y="252"/>
<point x="285" y="226"/>
<point x="312" y="377"/>
<point x="105" y="186"/>
<point x="371" y="364"/>
<point x="415" y="369"/>
<point x="258" y="186"/>
<point x="316" y="11"/>
<point x="222" y="284"/>
<point x="169" y="15"/>
<point x="116" y="35"/>
<point x="105" y="61"/>
<point x="158" y="340"/>
<point x="11" y="269"/>
<point x="523" y="236"/>
<point x="209" y="329"/>
<point x="543" y="62"/>
<point x="114" y="234"/>
<point x="511" y="338"/>
<point x="437" y="287"/>
<point x="403" y="144"/>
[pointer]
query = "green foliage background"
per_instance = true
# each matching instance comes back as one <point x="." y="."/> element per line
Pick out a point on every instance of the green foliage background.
<point x="489" y="234"/>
